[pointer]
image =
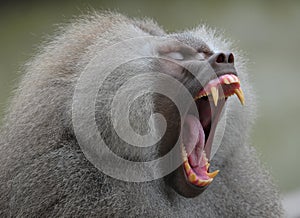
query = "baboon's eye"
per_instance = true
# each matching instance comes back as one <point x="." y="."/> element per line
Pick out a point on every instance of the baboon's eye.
<point x="175" y="55"/>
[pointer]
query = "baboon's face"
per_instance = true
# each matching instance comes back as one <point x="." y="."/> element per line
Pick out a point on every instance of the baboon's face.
<point x="217" y="84"/>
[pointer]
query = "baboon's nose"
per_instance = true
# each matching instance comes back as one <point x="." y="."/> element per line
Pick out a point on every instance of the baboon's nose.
<point x="222" y="63"/>
<point x="222" y="58"/>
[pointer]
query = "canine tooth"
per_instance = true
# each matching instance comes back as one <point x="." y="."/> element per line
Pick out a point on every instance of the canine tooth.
<point x="215" y="95"/>
<point x="213" y="174"/>
<point x="240" y="95"/>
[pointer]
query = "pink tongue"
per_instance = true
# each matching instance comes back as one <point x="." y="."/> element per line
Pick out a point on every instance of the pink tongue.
<point x="193" y="139"/>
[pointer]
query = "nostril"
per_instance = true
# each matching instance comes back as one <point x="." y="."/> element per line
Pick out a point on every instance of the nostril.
<point x="221" y="58"/>
<point x="231" y="58"/>
<point x="222" y="63"/>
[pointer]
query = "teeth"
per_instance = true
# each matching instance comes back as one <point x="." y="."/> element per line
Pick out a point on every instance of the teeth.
<point x="231" y="80"/>
<point x="213" y="174"/>
<point x="192" y="177"/>
<point x="183" y="153"/>
<point x="215" y="95"/>
<point x="200" y="96"/>
<point x="240" y="95"/>
<point x="226" y="81"/>
<point x="208" y="181"/>
<point x="184" y="156"/>
<point x="204" y="182"/>
<point x="187" y="166"/>
<point x="200" y="182"/>
<point x="234" y="79"/>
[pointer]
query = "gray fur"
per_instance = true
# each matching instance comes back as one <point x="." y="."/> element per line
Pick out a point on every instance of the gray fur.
<point x="44" y="173"/>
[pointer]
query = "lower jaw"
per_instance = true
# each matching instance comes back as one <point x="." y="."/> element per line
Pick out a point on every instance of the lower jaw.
<point x="200" y="177"/>
<point x="179" y="182"/>
<point x="192" y="184"/>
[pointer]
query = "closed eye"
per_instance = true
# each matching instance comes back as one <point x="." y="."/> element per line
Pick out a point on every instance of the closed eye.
<point x="175" y="55"/>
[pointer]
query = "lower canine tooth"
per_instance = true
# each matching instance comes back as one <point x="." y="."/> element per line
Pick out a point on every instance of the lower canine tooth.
<point x="213" y="174"/>
<point x="240" y="95"/>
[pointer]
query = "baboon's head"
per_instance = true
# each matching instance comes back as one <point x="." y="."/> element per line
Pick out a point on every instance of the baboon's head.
<point x="211" y="78"/>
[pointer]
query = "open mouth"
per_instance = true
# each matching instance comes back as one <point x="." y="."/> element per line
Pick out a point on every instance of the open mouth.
<point x="198" y="130"/>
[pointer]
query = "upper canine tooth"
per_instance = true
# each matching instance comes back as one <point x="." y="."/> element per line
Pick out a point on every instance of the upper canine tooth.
<point x="215" y="95"/>
<point x="240" y="95"/>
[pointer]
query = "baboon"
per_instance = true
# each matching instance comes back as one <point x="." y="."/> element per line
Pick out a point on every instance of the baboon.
<point x="44" y="172"/>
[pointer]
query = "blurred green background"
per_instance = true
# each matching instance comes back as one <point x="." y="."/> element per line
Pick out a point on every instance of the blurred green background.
<point x="268" y="31"/>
